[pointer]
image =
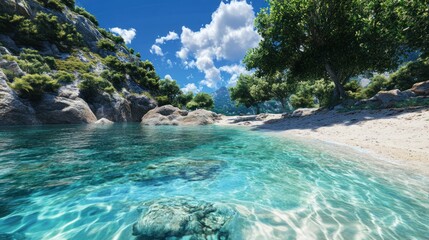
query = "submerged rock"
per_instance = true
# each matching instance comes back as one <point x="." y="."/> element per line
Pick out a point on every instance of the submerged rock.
<point x="191" y="170"/>
<point x="169" y="115"/>
<point x="184" y="217"/>
<point x="103" y="121"/>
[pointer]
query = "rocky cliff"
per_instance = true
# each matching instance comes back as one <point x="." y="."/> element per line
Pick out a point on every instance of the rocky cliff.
<point x="57" y="67"/>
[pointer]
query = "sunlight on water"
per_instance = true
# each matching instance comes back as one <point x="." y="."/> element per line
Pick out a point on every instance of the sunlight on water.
<point x="88" y="182"/>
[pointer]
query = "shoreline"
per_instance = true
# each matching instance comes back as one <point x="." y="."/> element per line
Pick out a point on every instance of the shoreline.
<point x="397" y="136"/>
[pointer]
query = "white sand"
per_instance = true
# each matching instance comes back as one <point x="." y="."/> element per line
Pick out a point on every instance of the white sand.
<point x="400" y="136"/>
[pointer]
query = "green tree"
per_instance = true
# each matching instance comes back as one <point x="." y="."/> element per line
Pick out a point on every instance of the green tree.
<point x="201" y="100"/>
<point x="184" y="98"/>
<point x="326" y="39"/>
<point x="250" y="91"/>
<point x="170" y="89"/>
<point x="91" y="85"/>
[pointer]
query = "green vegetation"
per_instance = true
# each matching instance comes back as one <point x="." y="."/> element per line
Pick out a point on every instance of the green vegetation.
<point x="91" y="85"/>
<point x="335" y="41"/>
<point x="106" y="44"/>
<point x="64" y="77"/>
<point x="33" y="86"/>
<point x="86" y="14"/>
<point x="44" y="27"/>
<point x="201" y="101"/>
<point x="170" y="90"/>
<point x="72" y="64"/>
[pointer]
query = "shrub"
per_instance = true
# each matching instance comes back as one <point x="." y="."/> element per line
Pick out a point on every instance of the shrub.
<point x="410" y="73"/>
<point x="92" y="84"/>
<point x="201" y="100"/>
<point x="106" y="45"/>
<point x="116" y="78"/>
<point x="64" y="77"/>
<point x="86" y="14"/>
<point x="162" y="100"/>
<point x="32" y="62"/>
<point x="378" y="83"/>
<point x="69" y="3"/>
<point x="302" y="101"/>
<point x="33" y="86"/>
<point x="354" y="90"/>
<point x="72" y="64"/>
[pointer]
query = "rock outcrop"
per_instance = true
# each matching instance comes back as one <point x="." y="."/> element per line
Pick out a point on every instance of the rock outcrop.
<point x="103" y="121"/>
<point x="169" y="115"/>
<point x="184" y="217"/>
<point x="61" y="110"/>
<point x="386" y="97"/>
<point x="421" y="88"/>
<point x="13" y="110"/>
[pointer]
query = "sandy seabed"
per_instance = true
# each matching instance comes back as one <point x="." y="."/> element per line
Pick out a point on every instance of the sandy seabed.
<point x="400" y="136"/>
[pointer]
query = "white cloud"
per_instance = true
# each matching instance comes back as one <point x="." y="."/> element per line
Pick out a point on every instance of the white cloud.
<point x="235" y="71"/>
<point x="156" y="50"/>
<point x="170" y="36"/>
<point x="168" y="76"/>
<point x="191" y="87"/>
<point x="227" y="37"/>
<point x="127" y="35"/>
<point x="169" y="63"/>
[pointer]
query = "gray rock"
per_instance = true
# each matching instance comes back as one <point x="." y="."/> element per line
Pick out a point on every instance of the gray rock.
<point x="387" y="97"/>
<point x="12" y="66"/>
<point x="50" y="49"/>
<point x="184" y="218"/>
<point x="301" y="112"/>
<point x="103" y="121"/>
<point x="8" y="42"/>
<point x="190" y="170"/>
<point x="421" y="88"/>
<point x="63" y="110"/>
<point x="111" y="106"/>
<point x="169" y="115"/>
<point x="14" y="110"/>
<point x="4" y="51"/>
<point x="19" y="7"/>
<point x="140" y="105"/>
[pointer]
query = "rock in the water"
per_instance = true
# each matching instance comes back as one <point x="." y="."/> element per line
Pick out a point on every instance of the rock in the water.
<point x="421" y="88"/>
<point x="191" y="170"/>
<point x="140" y="105"/>
<point x="184" y="217"/>
<point x="63" y="110"/>
<point x="111" y="106"/>
<point x="169" y="115"/>
<point x="13" y="110"/>
<point x="103" y="121"/>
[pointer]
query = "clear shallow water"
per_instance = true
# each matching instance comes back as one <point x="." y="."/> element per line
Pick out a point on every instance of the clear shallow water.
<point x="86" y="182"/>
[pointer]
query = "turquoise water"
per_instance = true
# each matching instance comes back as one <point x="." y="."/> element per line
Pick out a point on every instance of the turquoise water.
<point x="86" y="182"/>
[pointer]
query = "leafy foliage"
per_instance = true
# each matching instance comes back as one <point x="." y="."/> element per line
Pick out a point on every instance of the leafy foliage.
<point x="170" y="89"/>
<point x="33" y="86"/>
<point x="64" y="77"/>
<point x="91" y="85"/>
<point x="410" y="73"/>
<point x="201" y="100"/>
<point x="72" y="64"/>
<point x="86" y="14"/>
<point x="106" y="44"/>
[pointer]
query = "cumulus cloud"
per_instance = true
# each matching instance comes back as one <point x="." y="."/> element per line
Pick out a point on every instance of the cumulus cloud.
<point x="235" y="71"/>
<point x="169" y="63"/>
<point x="191" y="87"/>
<point x="170" y="36"/>
<point x="227" y="37"/>
<point x="155" y="49"/>
<point x="168" y="76"/>
<point x="127" y="34"/>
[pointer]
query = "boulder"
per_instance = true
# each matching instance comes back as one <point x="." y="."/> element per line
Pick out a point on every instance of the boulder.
<point x="184" y="217"/>
<point x="301" y="112"/>
<point x="169" y="115"/>
<point x="8" y="42"/>
<point x="103" y="121"/>
<point x="186" y="169"/>
<point x="19" y="7"/>
<point x="140" y="105"/>
<point x="53" y="109"/>
<point x="395" y="95"/>
<point x="4" y="51"/>
<point x="14" y="110"/>
<point x="111" y="106"/>
<point x="421" y="88"/>
<point x="13" y="67"/>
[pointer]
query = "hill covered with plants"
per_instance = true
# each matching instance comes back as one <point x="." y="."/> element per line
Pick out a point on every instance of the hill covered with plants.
<point x="58" y="66"/>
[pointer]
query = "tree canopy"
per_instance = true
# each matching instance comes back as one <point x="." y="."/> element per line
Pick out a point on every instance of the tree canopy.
<point x="333" y="39"/>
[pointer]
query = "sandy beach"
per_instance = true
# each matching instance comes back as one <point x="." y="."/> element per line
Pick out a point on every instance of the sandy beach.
<point x="400" y="136"/>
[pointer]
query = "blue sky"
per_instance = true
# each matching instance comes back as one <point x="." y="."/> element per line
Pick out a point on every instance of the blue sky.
<point x="199" y="43"/>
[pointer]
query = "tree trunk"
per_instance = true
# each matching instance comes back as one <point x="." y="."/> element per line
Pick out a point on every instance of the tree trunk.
<point x="258" y="109"/>
<point x="339" y="92"/>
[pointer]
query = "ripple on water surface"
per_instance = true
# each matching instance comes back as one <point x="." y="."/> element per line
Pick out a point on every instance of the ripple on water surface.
<point x="89" y="182"/>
